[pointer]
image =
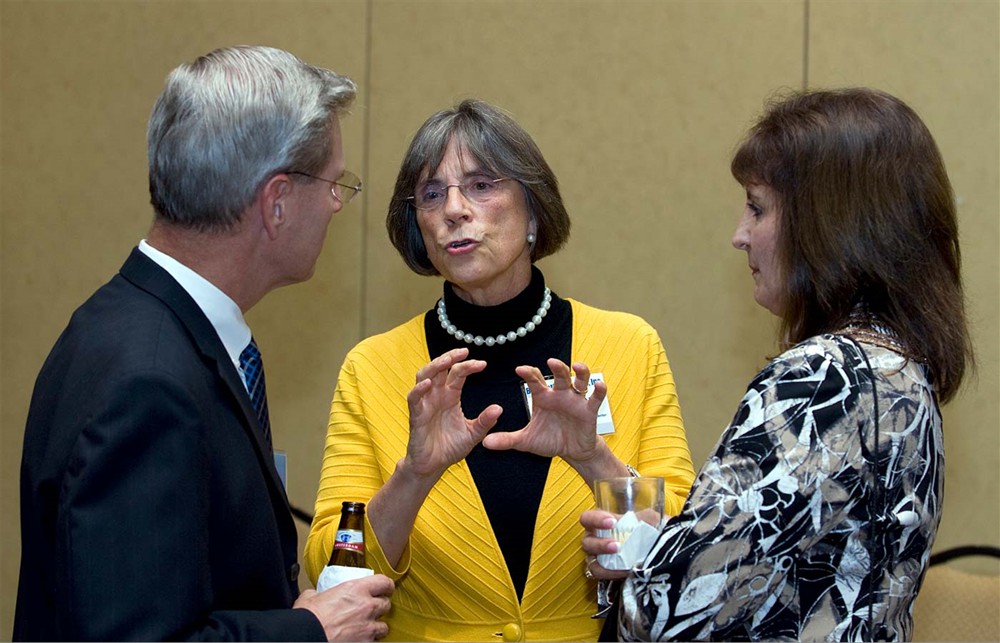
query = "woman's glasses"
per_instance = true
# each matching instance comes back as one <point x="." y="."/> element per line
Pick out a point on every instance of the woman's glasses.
<point x="431" y="195"/>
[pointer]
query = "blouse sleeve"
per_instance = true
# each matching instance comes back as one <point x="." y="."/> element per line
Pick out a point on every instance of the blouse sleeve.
<point x="782" y="473"/>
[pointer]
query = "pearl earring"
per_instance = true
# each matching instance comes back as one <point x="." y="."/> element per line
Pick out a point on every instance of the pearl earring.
<point x="531" y="237"/>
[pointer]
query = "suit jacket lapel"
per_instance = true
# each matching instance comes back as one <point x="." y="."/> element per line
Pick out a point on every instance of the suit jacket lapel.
<point x="144" y="273"/>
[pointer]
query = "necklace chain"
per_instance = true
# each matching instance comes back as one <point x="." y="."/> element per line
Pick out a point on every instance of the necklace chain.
<point x="502" y="338"/>
<point x="868" y="328"/>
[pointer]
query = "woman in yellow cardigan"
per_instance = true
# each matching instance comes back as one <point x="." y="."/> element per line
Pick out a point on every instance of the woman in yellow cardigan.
<point x="476" y="519"/>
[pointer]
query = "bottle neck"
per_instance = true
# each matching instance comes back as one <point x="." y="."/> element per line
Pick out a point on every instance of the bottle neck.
<point x="349" y="544"/>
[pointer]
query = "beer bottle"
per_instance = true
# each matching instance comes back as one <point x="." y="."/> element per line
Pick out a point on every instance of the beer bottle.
<point x="349" y="545"/>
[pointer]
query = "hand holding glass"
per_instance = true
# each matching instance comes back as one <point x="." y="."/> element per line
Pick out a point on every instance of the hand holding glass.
<point x="637" y="504"/>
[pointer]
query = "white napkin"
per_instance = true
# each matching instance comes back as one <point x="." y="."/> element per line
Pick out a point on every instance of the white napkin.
<point x="636" y="538"/>
<point x="336" y="574"/>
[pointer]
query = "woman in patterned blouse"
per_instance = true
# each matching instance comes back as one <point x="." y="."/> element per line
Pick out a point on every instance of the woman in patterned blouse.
<point x="814" y="517"/>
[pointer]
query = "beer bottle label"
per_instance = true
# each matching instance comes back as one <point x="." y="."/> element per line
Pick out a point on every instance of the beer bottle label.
<point x="351" y="539"/>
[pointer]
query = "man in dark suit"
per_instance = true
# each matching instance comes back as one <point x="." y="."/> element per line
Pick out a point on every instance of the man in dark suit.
<point x="150" y="503"/>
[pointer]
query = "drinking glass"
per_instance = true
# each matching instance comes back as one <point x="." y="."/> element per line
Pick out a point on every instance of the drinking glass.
<point x="637" y="504"/>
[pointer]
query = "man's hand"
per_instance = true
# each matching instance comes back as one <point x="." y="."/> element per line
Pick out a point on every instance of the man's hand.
<point x="351" y="611"/>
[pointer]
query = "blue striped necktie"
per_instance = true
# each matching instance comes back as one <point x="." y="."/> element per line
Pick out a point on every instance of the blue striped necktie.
<point x="253" y="371"/>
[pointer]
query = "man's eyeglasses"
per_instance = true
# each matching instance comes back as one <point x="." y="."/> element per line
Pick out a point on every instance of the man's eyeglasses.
<point x="432" y="194"/>
<point x="348" y="181"/>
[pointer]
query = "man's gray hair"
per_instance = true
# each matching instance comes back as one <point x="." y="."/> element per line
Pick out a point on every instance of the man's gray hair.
<point x="226" y="123"/>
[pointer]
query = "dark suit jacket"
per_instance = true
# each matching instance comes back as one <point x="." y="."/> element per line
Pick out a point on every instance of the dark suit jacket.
<point x="150" y="505"/>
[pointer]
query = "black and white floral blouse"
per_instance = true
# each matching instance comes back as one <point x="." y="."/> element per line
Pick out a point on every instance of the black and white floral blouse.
<point x="776" y="539"/>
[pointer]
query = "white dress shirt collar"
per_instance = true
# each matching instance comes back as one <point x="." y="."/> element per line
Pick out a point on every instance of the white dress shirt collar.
<point x="225" y="316"/>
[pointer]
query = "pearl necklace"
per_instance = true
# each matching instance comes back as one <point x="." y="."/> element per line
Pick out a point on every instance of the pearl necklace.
<point x="503" y="338"/>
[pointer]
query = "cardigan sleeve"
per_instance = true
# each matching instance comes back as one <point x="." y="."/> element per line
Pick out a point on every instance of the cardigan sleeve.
<point x="649" y="429"/>
<point x="369" y="400"/>
<point x="663" y="447"/>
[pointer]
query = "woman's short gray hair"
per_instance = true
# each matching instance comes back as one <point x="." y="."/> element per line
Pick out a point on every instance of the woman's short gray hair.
<point x="502" y="148"/>
<point x="229" y="121"/>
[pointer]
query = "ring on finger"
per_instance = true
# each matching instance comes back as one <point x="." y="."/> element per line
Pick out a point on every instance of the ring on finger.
<point x="586" y="571"/>
<point x="578" y="391"/>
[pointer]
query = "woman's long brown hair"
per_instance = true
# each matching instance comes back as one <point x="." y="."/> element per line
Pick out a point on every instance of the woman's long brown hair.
<point x="867" y="217"/>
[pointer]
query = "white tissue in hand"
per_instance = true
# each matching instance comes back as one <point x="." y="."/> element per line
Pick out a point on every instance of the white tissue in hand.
<point x="635" y="539"/>
<point x="336" y="574"/>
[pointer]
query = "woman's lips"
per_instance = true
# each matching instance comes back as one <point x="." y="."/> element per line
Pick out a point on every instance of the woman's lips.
<point x="461" y="246"/>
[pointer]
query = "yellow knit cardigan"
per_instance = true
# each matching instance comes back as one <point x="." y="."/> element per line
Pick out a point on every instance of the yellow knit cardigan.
<point x="452" y="582"/>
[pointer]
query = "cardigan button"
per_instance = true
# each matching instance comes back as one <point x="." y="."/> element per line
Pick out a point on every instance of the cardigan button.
<point x="512" y="632"/>
<point x="293" y="572"/>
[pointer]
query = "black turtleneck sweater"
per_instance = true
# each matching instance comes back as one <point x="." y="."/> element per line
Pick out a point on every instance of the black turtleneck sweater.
<point x="509" y="482"/>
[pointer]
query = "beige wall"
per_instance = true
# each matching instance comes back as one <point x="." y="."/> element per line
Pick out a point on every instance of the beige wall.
<point x="637" y="106"/>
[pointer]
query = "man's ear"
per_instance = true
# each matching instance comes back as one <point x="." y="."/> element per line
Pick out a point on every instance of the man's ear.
<point x="272" y="203"/>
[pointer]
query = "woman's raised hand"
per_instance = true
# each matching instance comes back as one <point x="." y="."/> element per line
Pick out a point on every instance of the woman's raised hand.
<point x="440" y="435"/>
<point x="563" y="421"/>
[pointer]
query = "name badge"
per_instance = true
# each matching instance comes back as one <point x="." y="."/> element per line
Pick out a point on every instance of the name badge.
<point x="605" y="424"/>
